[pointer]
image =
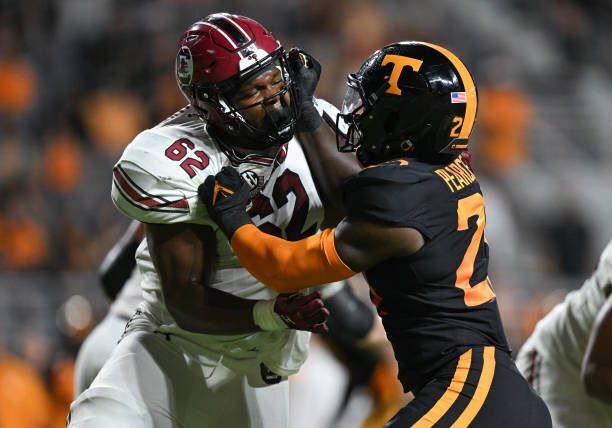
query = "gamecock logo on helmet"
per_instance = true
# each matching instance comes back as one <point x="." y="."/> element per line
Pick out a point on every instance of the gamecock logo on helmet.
<point x="184" y="65"/>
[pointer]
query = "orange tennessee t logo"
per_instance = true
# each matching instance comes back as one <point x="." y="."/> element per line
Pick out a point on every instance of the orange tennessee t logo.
<point x="225" y="192"/>
<point x="399" y="62"/>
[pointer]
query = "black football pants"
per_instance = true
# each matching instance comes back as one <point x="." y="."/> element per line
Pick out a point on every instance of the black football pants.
<point x="481" y="388"/>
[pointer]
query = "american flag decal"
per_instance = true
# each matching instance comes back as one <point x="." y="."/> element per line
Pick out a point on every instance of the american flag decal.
<point x="458" y="97"/>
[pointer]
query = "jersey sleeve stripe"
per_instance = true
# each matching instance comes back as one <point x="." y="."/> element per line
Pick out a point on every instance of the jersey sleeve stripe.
<point x="141" y="199"/>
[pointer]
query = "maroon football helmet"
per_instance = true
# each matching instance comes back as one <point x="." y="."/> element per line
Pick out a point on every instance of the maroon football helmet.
<point x="215" y="56"/>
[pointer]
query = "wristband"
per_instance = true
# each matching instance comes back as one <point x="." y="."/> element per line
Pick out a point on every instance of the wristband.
<point x="266" y="318"/>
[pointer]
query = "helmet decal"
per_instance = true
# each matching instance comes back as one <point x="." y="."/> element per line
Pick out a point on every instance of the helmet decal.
<point x="469" y="88"/>
<point x="399" y="62"/>
<point x="184" y="66"/>
<point x="458" y="98"/>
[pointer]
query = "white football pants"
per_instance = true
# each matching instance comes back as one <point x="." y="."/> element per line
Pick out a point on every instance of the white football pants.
<point x="96" y="350"/>
<point x="158" y="380"/>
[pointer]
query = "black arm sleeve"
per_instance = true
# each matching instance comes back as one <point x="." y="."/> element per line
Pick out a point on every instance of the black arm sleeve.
<point x="117" y="267"/>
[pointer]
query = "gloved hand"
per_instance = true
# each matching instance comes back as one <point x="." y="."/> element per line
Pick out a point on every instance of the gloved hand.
<point x="305" y="70"/>
<point x="295" y="310"/>
<point x="226" y="196"/>
<point x="302" y="312"/>
<point x="467" y="159"/>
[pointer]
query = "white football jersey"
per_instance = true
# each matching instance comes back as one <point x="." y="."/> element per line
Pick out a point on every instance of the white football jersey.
<point x="156" y="181"/>
<point x="565" y="331"/>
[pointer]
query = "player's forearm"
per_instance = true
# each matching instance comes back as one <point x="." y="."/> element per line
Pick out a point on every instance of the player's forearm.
<point x="202" y="309"/>
<point x="329" y="167"/>
<point x="289" y="266"/>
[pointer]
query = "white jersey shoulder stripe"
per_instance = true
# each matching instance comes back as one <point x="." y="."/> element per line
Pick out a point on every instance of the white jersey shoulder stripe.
<point x="142" y="199"/>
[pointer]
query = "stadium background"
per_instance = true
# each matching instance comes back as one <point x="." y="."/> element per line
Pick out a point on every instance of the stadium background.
<point x="80" y="78"/>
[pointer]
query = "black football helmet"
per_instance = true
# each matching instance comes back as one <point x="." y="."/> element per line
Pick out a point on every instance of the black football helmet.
<point x="408" y="99"/>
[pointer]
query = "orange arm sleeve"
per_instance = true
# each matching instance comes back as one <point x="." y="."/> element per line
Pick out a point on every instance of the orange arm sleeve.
<point x="288" y="266"/>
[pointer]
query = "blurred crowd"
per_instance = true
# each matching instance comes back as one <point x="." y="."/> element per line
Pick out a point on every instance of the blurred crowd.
<point x="80" y="78"/>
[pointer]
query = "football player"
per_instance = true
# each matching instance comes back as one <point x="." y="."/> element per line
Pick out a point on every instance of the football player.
<point x="211" y="346"/>
<point x="414" y="227"/>
<point x="567" y="359"/>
